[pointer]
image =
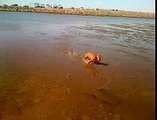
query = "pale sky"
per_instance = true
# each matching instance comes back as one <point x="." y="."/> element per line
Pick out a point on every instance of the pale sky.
<point x="128" y="5"/>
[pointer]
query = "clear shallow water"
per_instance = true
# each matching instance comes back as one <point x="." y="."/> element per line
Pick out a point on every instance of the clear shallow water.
<point x="40" y="80"/>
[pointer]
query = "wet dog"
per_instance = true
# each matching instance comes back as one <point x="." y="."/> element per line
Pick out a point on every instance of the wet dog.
<point x="92" y="58"/>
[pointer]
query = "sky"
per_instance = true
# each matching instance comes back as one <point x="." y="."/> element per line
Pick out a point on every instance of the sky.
<point x="128" y="5"/>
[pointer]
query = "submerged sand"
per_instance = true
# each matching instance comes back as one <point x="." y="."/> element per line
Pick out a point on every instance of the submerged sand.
<point x="43" y="77"/>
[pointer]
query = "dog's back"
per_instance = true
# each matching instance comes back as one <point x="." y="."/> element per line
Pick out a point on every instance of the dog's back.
<point x="92" y="57"/>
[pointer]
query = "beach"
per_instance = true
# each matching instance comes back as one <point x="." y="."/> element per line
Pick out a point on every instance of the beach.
<point x="80" y="11"/>
<point x="43" y="77"/>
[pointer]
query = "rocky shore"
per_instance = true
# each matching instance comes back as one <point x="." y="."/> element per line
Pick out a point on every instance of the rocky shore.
<point x="80" y="11"/>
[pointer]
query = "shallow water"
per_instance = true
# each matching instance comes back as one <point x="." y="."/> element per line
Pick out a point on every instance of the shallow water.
<point x="43" y="77"/>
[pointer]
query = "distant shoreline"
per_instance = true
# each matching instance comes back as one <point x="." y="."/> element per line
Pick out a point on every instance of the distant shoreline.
<point x="77" y="11"/>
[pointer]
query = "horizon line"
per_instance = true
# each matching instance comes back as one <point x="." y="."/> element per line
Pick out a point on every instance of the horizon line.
<point x="78" y="7"/>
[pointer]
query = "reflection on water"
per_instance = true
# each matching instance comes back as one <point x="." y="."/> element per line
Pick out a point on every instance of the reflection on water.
<point x="92" y="69"/>
<point x="42" y="76"/>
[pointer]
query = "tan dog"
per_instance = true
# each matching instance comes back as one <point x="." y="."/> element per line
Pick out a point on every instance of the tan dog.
<point x="92" y="57"/>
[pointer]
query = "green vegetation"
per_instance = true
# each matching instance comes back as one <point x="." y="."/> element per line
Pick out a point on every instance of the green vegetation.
<point x="26" y="6"/>
<point x="16" y="5"/>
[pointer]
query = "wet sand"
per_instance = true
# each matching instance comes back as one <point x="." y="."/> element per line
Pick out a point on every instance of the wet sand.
<point x="41" y="80"/>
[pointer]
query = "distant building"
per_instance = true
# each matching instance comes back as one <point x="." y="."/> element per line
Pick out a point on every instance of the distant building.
<point x="55" y="6"/>
<point x="42" y="5"/>
<point x="58" y="6"/>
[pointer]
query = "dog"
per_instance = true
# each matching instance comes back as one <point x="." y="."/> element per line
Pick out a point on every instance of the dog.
<point x="92" y="58"/>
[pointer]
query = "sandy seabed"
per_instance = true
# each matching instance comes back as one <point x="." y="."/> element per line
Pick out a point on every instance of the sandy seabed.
<point x="43" y="77"/>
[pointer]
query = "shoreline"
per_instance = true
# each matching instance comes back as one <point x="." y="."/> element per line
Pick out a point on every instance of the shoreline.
<point x="83" y="12"/>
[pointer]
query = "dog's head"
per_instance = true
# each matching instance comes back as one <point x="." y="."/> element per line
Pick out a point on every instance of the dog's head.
<point x="98" y="56"/>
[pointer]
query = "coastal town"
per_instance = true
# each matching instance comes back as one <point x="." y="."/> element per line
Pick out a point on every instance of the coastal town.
<point x="59" y="9"/>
